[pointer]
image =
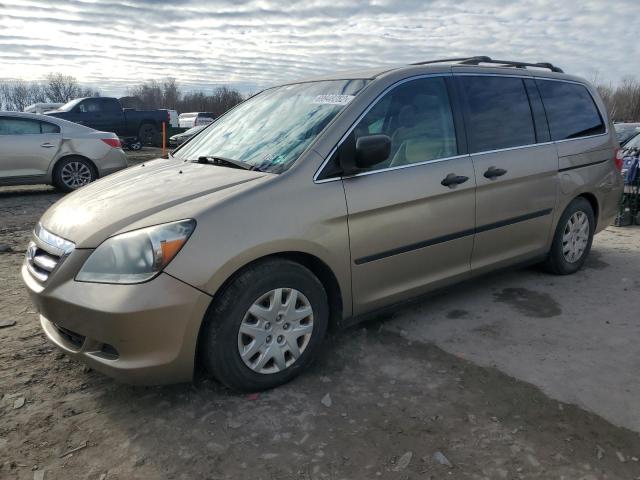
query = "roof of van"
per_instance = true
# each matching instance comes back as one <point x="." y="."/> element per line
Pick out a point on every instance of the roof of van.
<point x="462" y="65"/>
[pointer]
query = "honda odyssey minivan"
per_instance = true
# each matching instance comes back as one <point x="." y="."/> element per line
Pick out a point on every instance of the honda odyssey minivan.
<point x="315" y="203"/>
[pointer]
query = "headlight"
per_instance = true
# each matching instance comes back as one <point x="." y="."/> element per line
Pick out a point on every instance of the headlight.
<point x="136" y="256"/>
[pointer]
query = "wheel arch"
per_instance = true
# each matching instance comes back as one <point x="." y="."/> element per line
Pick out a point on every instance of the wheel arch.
<point x="58" y="161"/>
<point x="593" y="201"/>
<point x="317" y="266"/>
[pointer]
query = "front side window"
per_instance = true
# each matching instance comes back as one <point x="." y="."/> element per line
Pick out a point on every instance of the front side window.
<point x="269" y="131"/>
<point x="19" y="126"/>
<point x="497" y="114"/>
<point x="417" y="117"/>
<point x="570" y="109"/>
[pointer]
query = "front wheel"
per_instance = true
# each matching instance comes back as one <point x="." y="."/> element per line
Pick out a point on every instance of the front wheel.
<point x="572" y="239"/>
<point x="266" y="326"/>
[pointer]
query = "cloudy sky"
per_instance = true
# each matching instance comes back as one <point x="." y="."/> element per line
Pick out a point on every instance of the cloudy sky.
<point x="113" y="44"/>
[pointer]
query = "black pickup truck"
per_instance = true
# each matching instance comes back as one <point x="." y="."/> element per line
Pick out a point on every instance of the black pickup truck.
<point x="106" y="114"/>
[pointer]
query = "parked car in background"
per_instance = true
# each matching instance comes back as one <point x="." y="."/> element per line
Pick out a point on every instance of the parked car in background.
<point x="194" y="119"/>
<point x="42" y="107"/>
<point x="318" y="203"/>
<point x="106" y="114"/>
<point x="626" y="131"/>
<point x="180" y="138"/>
<point x="39" y="149"/>
<point x="633" y="142"/>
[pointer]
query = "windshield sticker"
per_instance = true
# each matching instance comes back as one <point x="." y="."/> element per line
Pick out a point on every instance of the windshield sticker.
<point x="332" y="99"/>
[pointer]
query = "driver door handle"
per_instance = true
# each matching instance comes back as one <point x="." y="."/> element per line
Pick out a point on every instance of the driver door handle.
<point x="452" y="180"/>
<point x="493" y="172"/>
<point x="47" y="145"/>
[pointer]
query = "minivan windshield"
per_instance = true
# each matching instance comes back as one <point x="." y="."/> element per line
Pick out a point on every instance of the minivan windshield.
<point x="269" y="131"/>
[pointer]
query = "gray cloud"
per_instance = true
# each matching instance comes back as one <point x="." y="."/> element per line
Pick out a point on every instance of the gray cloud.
<point x="255" y="43"/>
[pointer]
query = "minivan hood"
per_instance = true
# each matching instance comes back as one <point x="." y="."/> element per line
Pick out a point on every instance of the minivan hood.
<point x="97" y="211"/>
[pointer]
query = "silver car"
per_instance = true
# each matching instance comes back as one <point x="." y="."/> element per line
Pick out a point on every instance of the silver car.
<point x="37" y="149"/>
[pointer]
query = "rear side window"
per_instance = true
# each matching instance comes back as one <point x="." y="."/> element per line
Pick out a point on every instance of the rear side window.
<point x="111" y="105"/>
<point x="497" y="114"/>
<point x="570" y="109"/>
<point x="47" y="127"/>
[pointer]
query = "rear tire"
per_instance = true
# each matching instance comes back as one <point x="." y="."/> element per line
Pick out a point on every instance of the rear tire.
<point x="572" y="239"/>
<point x="72" y="173"/>
<point x="266" y="326"/>
<point x="148" y="134"/>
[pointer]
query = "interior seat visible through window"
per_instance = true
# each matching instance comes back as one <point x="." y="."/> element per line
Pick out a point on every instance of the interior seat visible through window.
<point x="417" y="118"/>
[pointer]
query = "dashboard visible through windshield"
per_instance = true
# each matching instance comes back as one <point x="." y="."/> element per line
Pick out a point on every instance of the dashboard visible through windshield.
<point x="270" y="130"/>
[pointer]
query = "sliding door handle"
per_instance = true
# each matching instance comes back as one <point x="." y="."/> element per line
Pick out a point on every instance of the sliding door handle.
<point x="452" y="180"/>
<point x="494" y="172"/>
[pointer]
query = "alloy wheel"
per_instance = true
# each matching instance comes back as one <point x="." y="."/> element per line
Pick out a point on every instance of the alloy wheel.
<point x="275" y="330"/>
<point x="75" y="175"/>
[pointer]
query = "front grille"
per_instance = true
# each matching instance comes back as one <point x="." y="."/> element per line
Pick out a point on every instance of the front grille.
<point x="69" y="335"/>
<point x="40" y="262"/>
<point x="44" y="254"/>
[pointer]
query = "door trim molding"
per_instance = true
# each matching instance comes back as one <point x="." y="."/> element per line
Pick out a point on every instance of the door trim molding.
<point x="451" y="236"/>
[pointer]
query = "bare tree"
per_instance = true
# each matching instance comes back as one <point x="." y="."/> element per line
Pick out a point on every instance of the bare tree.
<point x="61" y="88"/>
<point x="17" y="95"/>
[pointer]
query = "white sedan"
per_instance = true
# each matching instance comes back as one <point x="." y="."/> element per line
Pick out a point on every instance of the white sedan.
<point x="39" y="149"/>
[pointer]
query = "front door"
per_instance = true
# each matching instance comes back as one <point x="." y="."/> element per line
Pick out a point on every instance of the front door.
<point x="411" y="218"/>
<point x="27" y="146"/>
<point x="516" y="169"/>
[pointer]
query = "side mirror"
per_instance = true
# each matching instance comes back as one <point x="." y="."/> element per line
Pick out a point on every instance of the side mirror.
<point x="366" y="152"/>
<point x="371" y="150"/>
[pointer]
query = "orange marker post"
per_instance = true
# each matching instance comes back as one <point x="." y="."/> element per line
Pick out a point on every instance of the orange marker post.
<point x="164" y="138"/>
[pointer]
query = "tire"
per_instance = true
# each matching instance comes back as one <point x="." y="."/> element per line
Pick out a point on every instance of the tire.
<point x="72" y="173"/>
<point x="148" y="134"/>
<point x="269" y="358"/>
<point x="570" y="250"/>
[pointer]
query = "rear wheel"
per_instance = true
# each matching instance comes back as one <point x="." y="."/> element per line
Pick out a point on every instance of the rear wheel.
<point x="148" y="134"/>
<point x="72" y="173"/>
<point x="266" y="326"/>
<point x="572" y="239"/>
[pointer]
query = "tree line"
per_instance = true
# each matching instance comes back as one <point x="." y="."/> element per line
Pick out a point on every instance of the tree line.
<point x="16" y="95"/>
<point x="167" y="94"/>
<point x="622" y="100"/>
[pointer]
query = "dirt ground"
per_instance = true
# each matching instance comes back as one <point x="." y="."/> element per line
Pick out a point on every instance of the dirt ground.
<point x="375" y="405"/>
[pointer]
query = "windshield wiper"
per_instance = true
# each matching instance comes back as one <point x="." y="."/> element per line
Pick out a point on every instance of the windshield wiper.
<point x="227" y="162"/>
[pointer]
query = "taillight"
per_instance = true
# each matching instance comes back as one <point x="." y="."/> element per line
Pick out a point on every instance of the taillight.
<point x="112" y="142"/>
<point x="618" y="158"/>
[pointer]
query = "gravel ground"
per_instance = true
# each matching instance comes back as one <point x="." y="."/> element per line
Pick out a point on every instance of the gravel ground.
<point x="375" y="405"/>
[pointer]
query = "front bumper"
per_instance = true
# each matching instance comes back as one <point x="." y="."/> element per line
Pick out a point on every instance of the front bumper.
<point x="139" y="334"/>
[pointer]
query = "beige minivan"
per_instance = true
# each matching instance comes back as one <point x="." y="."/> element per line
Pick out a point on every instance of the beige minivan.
<point x="315" y="203"/>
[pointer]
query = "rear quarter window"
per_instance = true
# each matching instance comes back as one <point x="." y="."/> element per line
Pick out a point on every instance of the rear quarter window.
<point x="571" y="111"/>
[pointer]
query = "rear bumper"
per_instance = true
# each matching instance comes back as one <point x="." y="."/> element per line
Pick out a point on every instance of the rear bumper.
<point x="140" y="334"/>
<point x="113" y="161"/>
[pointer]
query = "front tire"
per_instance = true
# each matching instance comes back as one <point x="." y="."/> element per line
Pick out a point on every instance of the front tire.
<point x="572" y="239"/>
<point x="72" y="173"/>
<point x="266" y="326"/>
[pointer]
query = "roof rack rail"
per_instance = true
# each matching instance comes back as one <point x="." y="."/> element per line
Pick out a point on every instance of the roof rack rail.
<point x="504" y="63"/>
